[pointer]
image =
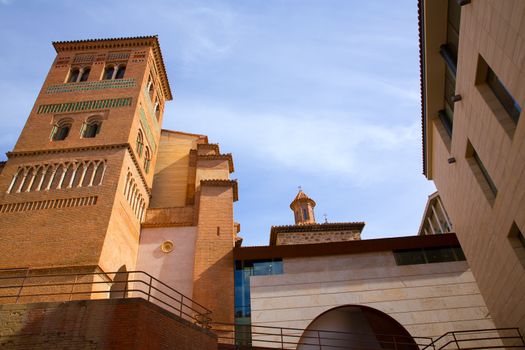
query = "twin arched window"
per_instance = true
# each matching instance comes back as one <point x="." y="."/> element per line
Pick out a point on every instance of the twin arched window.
<point x="79" y="74"/>
<point x="114" y="72"/>
<point x="61" y="130"/>
<point x="91" y="128"/>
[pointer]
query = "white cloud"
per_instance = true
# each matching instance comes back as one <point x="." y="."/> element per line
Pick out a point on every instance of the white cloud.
<point x="318" y="144"/>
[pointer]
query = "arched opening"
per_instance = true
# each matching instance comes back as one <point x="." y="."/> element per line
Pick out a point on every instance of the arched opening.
<point x="85" y="74"/>
<point x="120" y="72"/>
<point x="108" y="73"/>
<point x="119" y="288"/>
<point x="73" y="75"/>
<point x="355" y="326"/>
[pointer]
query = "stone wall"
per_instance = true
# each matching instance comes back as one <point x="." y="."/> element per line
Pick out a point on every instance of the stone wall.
<point x="427" y="299"/>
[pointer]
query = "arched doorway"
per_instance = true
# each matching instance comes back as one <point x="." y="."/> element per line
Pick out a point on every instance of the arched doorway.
<point x="355" y="326"/>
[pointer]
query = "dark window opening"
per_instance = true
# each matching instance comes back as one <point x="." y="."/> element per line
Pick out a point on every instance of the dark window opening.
<point x="85" y="74"/>
<point x="485" y="173"/>
<point x="73" y="76"/>
<point x="305" y="214"/>
<point x="61" y="132"/>
<point x="504" y="97"/>
<point x="147" y="160"/>
<point x="120" y="72"/>
<point x="92" y="129"/>
<point x="428" y="255"/>
<point x="140" y="143"/>
<point x="517" y="242"/>
<point x="108" y="73"/>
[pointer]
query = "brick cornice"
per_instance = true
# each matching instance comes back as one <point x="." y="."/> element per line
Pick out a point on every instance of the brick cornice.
<point x="224" y="183"/>
<point x="227" y="156"/>
<point x="214" y="146"/>
<point x="119" y="43"/>
<point x="127" y="146"/>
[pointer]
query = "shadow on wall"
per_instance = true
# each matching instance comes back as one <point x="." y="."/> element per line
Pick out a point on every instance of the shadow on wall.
<point x="360" y="327"/>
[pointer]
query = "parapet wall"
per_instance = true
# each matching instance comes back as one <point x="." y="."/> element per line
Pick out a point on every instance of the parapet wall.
<point x="99" y="324"/>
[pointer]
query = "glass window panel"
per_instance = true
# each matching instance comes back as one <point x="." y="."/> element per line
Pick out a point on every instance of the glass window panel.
<point x="459" y="253"/>
<point x="409" y="256"/>
<point x="486" y="175"/>
<point x="454" y="14"/>
<point x="435" y="255"/>
<point x="505" y="98"/>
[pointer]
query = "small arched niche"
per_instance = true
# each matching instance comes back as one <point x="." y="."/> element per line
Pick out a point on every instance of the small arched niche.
<point x="355" y="326"/>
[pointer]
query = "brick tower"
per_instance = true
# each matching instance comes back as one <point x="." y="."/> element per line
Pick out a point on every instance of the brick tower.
<point x="75" y="188"/>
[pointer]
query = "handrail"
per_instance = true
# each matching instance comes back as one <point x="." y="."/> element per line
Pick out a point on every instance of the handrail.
<point x="289" y="337"/>
<point x="477" y="335"/>
<point x="134" y="283"/>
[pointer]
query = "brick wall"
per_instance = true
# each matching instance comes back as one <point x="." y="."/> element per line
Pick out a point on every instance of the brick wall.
<point x="98" y="324"/>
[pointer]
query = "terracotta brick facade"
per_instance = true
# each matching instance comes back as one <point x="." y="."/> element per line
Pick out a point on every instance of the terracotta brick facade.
<point x="99" y="324"/>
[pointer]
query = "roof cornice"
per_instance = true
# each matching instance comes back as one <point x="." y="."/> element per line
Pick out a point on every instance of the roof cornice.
<point x="219" y="182"/>
<point x="227" y="156"/>
<point x="119" y="43"/>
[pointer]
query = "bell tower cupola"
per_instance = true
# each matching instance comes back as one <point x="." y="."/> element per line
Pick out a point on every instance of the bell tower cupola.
<point x="303" y="208"/>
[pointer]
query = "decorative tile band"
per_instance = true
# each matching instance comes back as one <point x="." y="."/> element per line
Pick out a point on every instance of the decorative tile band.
<point x="84" y="105"/>
<point x="92" y="85"/>
<point x="48" y="204"/>
<point x="145" y="126"/>
<point x="118" y="56"/>
<point x="84" y="58"/>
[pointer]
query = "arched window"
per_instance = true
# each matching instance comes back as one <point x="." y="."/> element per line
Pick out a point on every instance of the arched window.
<point x="91" y="128"/>
<point x="108" y="73"/>
<point x="157" y="110"/>
<point x="140" y="143"/>
<point x="78" y="74"/>
<point x="120" y="72"/>
<point x="85" y="74"/>
<point x="61" y="130"/>
<point x="147" y="159"/>
<point x="73" y="75"/>
<point x="150" y="89"/>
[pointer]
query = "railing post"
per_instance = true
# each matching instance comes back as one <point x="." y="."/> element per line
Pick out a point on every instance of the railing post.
<point x="73" y="287"/>
<point x="319" y="340"/>
<point x="282" y="338"/>
<point x="455" y="340"/>
<point x="150" y="283"/>
<point x="395" y="344"/>
<point x="181" y="304"/>
<point x="22" y="286"/>
<point x="125" y="295"/>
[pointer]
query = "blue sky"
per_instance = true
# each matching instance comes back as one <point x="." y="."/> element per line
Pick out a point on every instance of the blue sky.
<point x="318" y="93"/>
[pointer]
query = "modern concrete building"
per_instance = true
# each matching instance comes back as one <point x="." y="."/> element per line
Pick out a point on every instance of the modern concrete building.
<point x="473" y="90"/>
<point x="435" y="219"/>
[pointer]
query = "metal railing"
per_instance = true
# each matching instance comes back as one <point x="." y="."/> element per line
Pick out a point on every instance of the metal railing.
<point x="254" y="336"/>
<point x="494" y="338"/>
<point x="32" y="287"/>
